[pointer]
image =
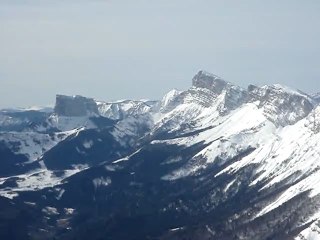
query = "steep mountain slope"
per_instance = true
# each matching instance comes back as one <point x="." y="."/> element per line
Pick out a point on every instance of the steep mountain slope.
<point x="213" y="162"/>
<point x="40" y="153"/>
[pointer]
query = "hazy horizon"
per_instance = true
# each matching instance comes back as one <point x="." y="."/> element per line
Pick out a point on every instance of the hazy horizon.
<point x="112" y="50"/>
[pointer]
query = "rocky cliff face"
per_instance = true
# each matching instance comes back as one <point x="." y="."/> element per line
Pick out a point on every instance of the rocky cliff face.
<point x="207" y="80"/>
<point x="231" y="96"/>
<point x="75" y="106"/>
<point x="213" y="162"/>
<point x="280" y="104"/>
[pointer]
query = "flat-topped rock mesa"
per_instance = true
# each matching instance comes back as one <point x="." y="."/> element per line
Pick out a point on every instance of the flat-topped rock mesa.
<point x="75" y="106"/>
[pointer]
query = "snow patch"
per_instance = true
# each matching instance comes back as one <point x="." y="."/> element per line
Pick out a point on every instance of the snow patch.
<point x="88" y="144"/>
<point x="50" y="211"/>
<point x="98" y="182"/>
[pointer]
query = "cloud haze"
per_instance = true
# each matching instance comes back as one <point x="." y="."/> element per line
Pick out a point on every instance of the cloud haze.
<point x="117" y="49"/>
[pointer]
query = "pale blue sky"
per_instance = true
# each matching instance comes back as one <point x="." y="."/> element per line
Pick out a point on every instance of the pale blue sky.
<point x="116" y="49"/>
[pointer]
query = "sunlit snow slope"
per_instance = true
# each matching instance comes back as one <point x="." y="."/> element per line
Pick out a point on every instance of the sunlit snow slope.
<point x="220" y="161"/>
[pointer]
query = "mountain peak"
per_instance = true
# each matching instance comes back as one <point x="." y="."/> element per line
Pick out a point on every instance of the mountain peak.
<point x="208" y="74"/>
<point x="210" y="81"/>
<point x="282" y="105"/>
<point x="288" y="90"/>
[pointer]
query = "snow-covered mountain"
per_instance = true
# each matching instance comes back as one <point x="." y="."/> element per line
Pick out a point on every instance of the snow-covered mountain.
<point x="125" y="108"/>
<point x="215" y="161"/>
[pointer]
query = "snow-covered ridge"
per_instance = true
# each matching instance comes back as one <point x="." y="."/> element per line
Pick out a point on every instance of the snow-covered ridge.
<point x="289" y="90"/>
<point x="169" y="99"/>
<point x="273" y="130"/>
<point x="122" y="109"/>
<point x="211" y="97"/>
<point x="282" y="105"/>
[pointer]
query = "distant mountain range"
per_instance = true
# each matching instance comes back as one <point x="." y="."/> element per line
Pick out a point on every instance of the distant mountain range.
<point x="213" y="162"/>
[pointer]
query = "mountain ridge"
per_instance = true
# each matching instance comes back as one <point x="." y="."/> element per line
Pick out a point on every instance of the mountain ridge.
<point x="215" y="161"/>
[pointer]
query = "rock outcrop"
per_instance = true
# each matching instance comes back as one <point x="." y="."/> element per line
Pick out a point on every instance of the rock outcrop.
<point x="75" y="106"/>
<point x="207" y="80"/>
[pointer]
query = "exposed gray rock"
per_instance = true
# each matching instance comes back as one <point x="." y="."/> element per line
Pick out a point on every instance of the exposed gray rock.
<point x="233" y="96"/>
<point x="252" y="87"/>
<point x="281" y="105"/>
<point x="75" y="106"/>
<point x="207" y="80"/>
